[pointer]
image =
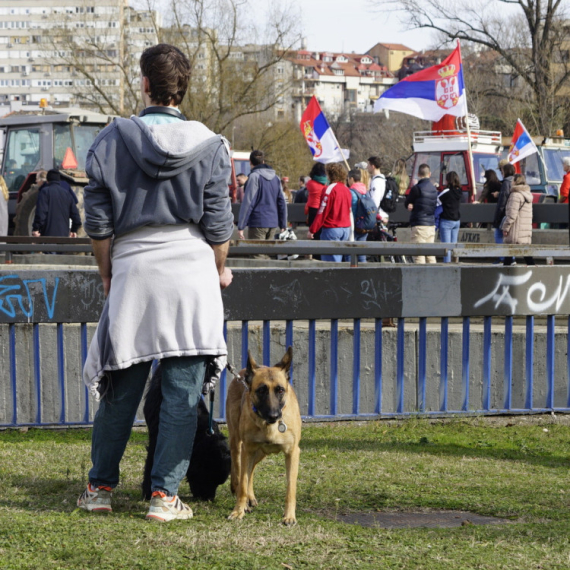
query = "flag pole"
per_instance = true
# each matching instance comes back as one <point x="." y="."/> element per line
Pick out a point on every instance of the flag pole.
<point x="469" y="148"/>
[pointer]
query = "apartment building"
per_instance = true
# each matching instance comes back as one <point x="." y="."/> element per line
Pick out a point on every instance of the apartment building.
<point x="343" y="83"/>
<point x="390" y="55"/>
<point x="70" y="52"/>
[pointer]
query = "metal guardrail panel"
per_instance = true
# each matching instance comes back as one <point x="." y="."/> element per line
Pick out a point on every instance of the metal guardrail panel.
<point x="76" y="296"/>
<point x="470" y="213"/>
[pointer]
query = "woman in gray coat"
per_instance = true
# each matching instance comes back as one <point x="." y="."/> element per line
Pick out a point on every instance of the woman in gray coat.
<point x="517" y="223"/>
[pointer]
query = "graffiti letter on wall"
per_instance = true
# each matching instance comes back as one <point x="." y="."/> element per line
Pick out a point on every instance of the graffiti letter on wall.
<point x="541" y="305"/>
<point x="501" y="294"/>
<point x="12" y="295"/>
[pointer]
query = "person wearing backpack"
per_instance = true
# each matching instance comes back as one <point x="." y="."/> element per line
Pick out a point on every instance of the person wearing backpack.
<point x="377" y="186"/>
<point x="358" y="191"/>
<point x="333" y="216"/>
<point x="421" y="202"/>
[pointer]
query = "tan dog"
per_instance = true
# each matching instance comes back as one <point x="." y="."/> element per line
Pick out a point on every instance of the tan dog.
<point x="263" y="418"/>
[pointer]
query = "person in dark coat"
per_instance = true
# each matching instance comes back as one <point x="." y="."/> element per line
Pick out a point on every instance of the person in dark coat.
<point x="54" y="209"/>
<point x="508" y="171"/>
<point x="421" y="202"/>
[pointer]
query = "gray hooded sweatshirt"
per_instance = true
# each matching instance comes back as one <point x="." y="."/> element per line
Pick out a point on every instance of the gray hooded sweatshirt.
<point x="167" y="174"/>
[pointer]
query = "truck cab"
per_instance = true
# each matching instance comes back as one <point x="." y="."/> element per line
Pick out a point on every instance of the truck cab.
<point x="543" y="170"/>
<point x="447" y="151"/>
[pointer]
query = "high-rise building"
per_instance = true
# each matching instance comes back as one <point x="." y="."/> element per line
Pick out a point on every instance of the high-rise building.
<point x="72" y="52"/>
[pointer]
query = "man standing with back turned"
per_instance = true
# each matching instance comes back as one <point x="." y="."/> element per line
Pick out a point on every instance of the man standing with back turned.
<point x="421" y="201"/>
<point x="158" y="211"/>
<point x="263" y="209"/>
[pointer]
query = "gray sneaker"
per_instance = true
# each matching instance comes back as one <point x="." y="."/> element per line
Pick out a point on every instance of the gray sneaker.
<point x="96" y="499"/>
<point x="164" y="508"/>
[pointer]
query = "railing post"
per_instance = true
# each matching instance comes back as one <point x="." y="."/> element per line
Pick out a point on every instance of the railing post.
<point x="508" y="369"/>
<point x="334" y="368"/>
<point x="465" y="364"/>
<point x="422" y="355"/>
<point x="443" y="364"/>
<point x="356" y="368"/>
<point x="400" y="371"/>
<point x="378" y="366"/>
<point x="529" y="357"/>
<point x="487" y="363"/>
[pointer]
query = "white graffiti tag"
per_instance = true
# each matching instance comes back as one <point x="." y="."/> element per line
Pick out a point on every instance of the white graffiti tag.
<point x="541" y="305"/>
<point x="502" y="292"/>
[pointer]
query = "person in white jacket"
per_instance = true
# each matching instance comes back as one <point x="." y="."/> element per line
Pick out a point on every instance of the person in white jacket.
<point x="377" y="185"/>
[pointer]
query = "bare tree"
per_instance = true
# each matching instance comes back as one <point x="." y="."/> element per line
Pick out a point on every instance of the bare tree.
<point x="529" y="36"/>
<point x="235" y="61"/>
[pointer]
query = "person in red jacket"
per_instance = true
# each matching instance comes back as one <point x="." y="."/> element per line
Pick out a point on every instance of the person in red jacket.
<point x="333" y="216"/>
<point x="565" y="187"/>
<point x="315" y="187"/>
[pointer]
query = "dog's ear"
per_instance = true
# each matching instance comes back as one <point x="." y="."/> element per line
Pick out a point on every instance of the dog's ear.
<point x="285" y="363"/>
<point x="250" y="368"/>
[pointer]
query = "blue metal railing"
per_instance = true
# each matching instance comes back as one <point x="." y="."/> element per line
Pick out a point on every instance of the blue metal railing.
<point x="351" y="389"/>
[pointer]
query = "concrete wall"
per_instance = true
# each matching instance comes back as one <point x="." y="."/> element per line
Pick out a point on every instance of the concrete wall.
<point x="51" y="407"/>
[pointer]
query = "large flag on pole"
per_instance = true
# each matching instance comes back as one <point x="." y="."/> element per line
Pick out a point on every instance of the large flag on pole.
<point x="521" y="144"/>
<point x="319" y="135"/>
<point x="431" y="93"/>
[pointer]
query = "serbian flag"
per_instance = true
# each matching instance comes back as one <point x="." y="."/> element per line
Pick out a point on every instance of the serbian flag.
<point x="521" y="144"/>
<point x="431" y="93"/>
<point x="320" y="136"/>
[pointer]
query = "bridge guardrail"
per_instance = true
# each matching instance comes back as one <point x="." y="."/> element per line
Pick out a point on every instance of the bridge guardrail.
<point x="348" y="362"/>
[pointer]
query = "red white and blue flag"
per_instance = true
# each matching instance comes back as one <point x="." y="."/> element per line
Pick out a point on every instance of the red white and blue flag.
<point x="319" y="135"/>
<point x="521" y="144"/>
<point x="431" y="93"/>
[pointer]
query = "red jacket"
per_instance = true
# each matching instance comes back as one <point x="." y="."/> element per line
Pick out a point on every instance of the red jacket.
<point x="315" y="192"/>
<point x="564" y="188"/>
<point x="334" y="211"/>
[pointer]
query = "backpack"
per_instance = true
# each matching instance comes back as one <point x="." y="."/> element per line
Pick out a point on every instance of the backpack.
<point x="390" y="199"/>
<point x="366" y="211"/>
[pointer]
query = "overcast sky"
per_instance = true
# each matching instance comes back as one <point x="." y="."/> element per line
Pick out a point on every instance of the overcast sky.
<point x="351" y="25"/>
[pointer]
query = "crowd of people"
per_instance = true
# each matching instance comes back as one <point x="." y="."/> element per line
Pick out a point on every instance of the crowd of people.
<point x="332" y="193"/>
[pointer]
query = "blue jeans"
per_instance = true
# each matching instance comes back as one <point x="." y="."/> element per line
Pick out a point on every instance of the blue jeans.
<point x="334" y="234"/>
<point x="182" y="379"/>
<point x="499" y="239"/>
<point x="448" y="232"/>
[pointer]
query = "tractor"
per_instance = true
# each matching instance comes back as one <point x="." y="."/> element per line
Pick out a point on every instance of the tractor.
<point x="43" y="140"/>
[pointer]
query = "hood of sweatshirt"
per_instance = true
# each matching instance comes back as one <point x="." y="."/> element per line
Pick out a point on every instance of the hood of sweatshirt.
<point x="264" y="170"/>
<point x="524" y="190"/>
<point x="163" y="151"/>
<point x="359" y="187"/>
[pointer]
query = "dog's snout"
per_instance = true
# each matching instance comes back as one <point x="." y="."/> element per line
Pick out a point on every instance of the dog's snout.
<point x="273" y="416"/>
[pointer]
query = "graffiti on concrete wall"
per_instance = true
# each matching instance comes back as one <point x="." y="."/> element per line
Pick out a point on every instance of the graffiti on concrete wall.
<point x="17" y="295"/>
<point x="537" y="297"/>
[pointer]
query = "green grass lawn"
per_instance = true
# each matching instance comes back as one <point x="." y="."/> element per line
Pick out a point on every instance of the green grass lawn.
<point x="515" y="468"/>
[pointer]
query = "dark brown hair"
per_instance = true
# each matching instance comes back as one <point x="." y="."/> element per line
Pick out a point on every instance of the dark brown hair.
<point x="257" y="157"/>
<point x="168" y="72"/>
<point x="424" y="171"/>
<point x="354" y="174"/>
<point x="375" y="161"/>
<point x="508" y="170"/>
<point x="452" y="180"/>
<point x="491" y="175"/>
<point x="336" y="172"/>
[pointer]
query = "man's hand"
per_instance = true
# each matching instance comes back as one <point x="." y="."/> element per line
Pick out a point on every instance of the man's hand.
<point x="240" y="234"/>
<point x="106" y="285"/>
<point x="495" y="194"/>
<point x="410" y="207"/>
<point x="309" y="235"/>
<point x="72" y="235"/>
<point x="36" y="234"/>
<point x="226" y="277"/>
<point x="505" y="234"/>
